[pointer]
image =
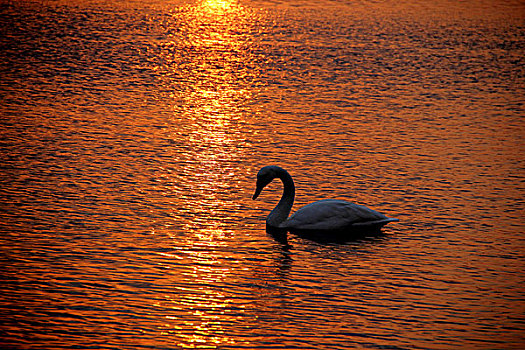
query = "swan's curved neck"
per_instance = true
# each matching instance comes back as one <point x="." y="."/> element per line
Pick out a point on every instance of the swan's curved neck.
<point x="280" y="213"/>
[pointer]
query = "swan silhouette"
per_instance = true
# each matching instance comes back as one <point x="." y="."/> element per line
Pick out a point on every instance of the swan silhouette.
<point x="325" y="216"/>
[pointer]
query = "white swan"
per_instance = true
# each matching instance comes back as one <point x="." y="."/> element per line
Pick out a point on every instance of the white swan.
<point x="324" y="215"/>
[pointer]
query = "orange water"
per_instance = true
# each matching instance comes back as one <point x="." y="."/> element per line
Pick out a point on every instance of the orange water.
<point x="131" y="133"/>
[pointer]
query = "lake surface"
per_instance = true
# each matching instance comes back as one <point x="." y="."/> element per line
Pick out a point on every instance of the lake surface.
<point x="132" y="131"/>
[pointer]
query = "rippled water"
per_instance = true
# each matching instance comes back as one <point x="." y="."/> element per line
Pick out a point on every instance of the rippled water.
<point x="131" y="133"/>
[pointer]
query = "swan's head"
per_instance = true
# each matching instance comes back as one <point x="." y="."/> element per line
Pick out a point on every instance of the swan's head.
<point x="264" y="177"/>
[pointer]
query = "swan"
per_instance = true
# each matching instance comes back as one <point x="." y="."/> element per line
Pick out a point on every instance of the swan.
<point x="332" y="215"/>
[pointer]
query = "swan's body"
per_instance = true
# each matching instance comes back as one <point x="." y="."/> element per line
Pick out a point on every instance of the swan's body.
<point x="324" y="215"/>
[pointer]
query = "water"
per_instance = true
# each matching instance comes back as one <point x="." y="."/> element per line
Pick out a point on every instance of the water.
<point x="131" y="133"/>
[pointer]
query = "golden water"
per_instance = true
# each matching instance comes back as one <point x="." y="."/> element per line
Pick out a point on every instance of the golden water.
<point x="131" y="133"/>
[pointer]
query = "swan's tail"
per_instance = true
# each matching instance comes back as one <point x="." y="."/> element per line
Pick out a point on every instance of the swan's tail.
<point x="375" y="223"/>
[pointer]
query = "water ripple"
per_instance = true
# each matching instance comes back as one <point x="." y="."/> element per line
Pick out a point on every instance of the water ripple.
<point x="131" y="133"/>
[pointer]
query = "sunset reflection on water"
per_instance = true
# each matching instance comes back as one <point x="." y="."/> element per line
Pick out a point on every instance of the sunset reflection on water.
<point x="132" y="131"/>
<point x="208" y="98"/>
<point x="206" y="81"/>
<point x="199" y="314"/>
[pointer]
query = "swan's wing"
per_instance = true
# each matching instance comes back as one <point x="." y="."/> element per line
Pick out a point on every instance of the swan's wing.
<point x="333" y="214"/>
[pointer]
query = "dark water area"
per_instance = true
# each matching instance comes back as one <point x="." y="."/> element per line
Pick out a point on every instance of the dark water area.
<point x="131" y="133"/>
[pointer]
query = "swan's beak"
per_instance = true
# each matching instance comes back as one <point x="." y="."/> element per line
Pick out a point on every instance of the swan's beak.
<point x="257" y="192"/>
